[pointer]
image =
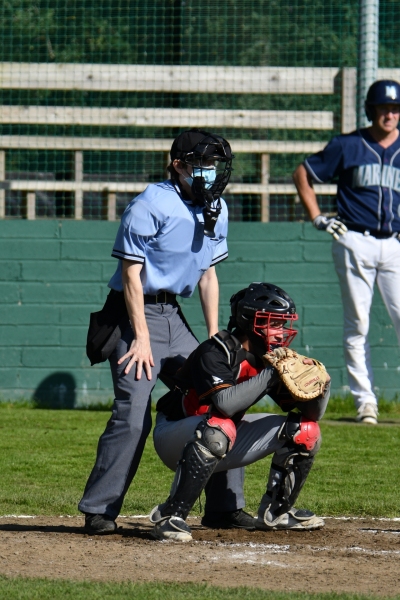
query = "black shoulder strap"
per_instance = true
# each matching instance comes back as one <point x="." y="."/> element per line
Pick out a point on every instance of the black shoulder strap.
<point x="233" y="348"/>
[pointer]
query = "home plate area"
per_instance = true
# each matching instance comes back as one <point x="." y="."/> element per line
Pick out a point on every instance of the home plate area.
<point x="348" y="555"/>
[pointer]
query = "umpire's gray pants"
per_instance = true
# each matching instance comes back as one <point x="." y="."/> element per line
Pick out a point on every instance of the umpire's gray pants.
<point x="121" y="445"/>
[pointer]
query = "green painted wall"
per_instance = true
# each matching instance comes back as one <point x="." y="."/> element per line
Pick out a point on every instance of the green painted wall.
<point x="54" y="273"/>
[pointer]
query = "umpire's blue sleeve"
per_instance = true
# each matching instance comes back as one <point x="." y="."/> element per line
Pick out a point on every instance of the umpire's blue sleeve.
<point x="138" y="225"/>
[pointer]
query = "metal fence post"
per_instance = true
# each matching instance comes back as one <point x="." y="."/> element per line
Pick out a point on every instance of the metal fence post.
<point x="367" y="54"/>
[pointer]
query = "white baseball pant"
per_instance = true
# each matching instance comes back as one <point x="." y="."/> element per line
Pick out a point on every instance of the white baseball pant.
<point x="360" y="261"/>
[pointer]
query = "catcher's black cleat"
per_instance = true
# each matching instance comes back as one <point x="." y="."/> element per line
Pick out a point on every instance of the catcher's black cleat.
<point x="238" y="519"/>
<point x="297" y="520"/>
<point x="99" y="524"/>
<point x="172" y="528"/>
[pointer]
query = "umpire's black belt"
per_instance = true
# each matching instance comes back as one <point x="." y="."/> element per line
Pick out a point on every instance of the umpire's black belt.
<point x="380" y="235"/>
<point x="160" y="298"/>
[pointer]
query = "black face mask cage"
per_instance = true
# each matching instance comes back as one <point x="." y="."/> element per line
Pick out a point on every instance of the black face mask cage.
<point x="208" y="151"/>
<point x="210" y="198"/>
<point x="211" y="152"/>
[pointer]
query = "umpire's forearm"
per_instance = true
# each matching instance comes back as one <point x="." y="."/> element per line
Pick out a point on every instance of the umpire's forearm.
<point x="134" y="300"/>
<point x="209" y="297"/>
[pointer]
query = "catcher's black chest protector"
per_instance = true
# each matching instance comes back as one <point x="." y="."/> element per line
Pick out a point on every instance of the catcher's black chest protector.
<point x="242" y="366"/>
<point x="228" y="344"/>
<point x="234" y="350"/>
<point x="184" y="400"/>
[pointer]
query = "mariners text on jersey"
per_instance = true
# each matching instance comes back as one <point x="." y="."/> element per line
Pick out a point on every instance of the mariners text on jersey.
<point x="368" y="177"/>
<point x="386" y="176"/>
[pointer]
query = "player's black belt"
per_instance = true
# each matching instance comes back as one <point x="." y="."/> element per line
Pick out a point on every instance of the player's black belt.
<point x="380" y="235"/>
<point x="160" y="298"/>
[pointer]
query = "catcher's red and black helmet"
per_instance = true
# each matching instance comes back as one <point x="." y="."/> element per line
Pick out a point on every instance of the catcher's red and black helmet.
<point x="256" y="308"/>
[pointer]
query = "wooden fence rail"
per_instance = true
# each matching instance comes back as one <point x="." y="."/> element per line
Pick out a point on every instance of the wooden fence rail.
<point x="171" y="79"/>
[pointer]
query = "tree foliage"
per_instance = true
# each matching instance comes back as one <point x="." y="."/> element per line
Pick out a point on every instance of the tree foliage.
<point x="249" y="32"/>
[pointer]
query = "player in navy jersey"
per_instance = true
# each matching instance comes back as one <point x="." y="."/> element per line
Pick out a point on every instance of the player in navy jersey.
<point x="366" y="238"/>
<point x="202" y="427"/>
<point x="170" y="239"/>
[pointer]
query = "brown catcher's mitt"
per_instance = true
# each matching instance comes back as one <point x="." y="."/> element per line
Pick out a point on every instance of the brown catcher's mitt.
<point x="304" y="382"/>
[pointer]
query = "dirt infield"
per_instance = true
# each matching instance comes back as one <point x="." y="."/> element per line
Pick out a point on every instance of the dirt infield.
<point x="354" y="555"/>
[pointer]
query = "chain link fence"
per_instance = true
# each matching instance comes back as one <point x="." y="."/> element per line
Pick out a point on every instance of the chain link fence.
<point x="92" y="94"/>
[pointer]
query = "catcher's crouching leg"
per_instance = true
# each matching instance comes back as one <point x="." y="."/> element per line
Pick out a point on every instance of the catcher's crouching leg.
<point x="290" y="467"/>
<point x="213" y="438"/>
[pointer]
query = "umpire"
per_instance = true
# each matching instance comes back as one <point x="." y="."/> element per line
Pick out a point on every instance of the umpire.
<point x="366" y="244"/>
<point x="170" y="239"/>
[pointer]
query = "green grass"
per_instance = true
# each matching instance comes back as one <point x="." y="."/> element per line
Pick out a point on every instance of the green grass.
<point x="44" y="589"/>
<point x="342" y="407"/>
<point x="46" y="457"/>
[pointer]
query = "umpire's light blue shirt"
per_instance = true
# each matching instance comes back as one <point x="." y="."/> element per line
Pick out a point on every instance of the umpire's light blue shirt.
<point x="166" y="234"/>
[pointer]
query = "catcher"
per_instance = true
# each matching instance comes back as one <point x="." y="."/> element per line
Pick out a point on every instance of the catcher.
<point x="202" y="426"/>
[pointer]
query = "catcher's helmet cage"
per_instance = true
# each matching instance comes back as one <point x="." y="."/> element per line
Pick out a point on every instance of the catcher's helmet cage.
<point x="384" y="91"/>
<point x="204" y="151"/>
<point x="255" y="308"/>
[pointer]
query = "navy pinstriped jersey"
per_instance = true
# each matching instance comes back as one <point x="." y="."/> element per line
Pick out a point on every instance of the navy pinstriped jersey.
<point x="368" y="178"/>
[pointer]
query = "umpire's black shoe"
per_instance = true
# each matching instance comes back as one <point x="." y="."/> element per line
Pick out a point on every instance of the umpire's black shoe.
<point x="238" y="519"/>
<point x="99" y="524"/>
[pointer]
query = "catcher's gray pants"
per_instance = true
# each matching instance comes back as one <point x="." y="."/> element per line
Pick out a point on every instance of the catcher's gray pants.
<point x="121" y="446"/>
<point x="257" y="437"/>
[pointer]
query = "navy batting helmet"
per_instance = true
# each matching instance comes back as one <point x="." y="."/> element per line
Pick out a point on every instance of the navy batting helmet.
<point x="384" y="91"/>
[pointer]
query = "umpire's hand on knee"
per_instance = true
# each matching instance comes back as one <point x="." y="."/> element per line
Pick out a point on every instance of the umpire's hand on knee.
<point x="139" y="353"/>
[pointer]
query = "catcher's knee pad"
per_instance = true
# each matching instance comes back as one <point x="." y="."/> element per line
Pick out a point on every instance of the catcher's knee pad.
<point x="217" y="434"/>
<point x="300" y="433"/>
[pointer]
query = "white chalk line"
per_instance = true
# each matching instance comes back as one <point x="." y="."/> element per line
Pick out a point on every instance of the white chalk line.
<point x="285" y="549"/>
<point x="259" y="553"/>
<point x="388" y="519"/>
<point x="394" y="532"/>
<point x="259" y="550"/>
